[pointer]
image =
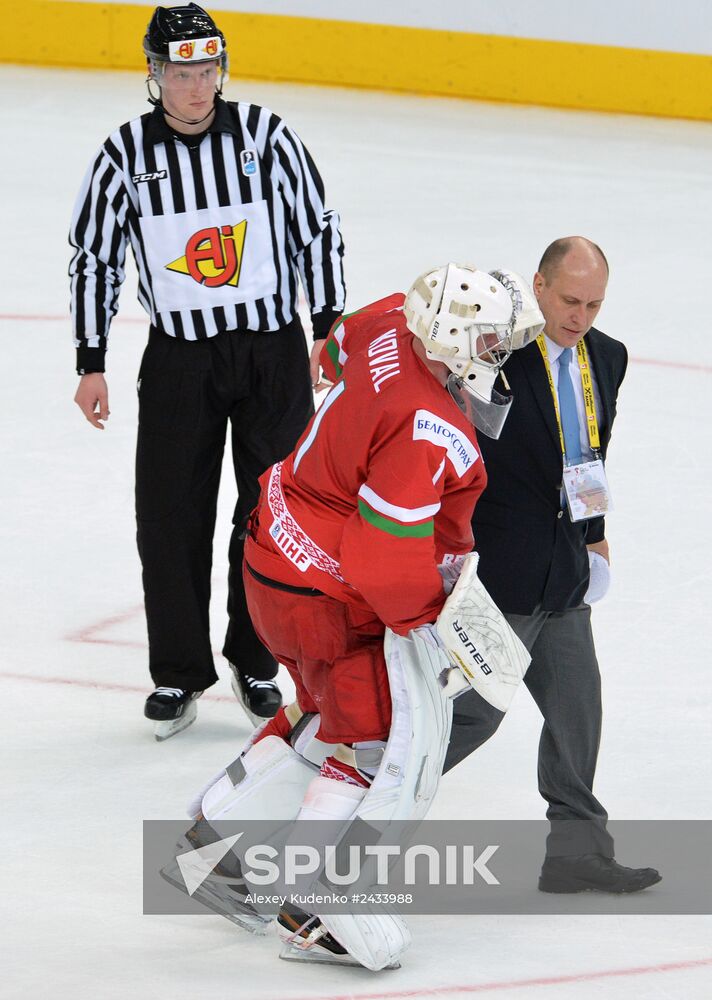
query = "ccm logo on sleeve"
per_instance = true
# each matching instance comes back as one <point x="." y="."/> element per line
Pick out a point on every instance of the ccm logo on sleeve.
<point x="157" y="175"/>
<point x="460" y="450"/>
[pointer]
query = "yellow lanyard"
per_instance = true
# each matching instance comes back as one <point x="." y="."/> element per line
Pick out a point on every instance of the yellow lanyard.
<point x="594" y="438"/>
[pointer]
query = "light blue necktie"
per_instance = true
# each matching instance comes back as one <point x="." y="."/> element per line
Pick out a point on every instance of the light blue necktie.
<point x="567" y="409"/>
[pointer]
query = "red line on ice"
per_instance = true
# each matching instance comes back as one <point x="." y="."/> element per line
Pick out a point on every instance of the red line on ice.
<point x="18" y="317"/>
<point x="515" y="984"/>
<point x="88" y="633"/>
<point x="688" y="366"/>
<point x="97" y="685"/>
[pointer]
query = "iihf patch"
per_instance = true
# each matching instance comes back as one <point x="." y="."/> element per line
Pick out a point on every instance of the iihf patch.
<point x="249" y="162"/>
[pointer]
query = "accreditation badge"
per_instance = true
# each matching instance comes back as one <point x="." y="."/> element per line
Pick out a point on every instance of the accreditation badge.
<point x="586" y="490"/>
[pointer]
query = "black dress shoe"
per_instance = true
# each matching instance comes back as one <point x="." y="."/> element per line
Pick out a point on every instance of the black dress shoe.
<point x="582" y="872"/>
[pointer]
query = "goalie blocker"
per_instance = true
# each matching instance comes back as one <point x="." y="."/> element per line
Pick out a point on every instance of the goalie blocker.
<point x="479" y="641"/>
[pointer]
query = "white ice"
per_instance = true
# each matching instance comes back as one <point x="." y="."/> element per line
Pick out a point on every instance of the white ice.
<point x="417" y="181"/>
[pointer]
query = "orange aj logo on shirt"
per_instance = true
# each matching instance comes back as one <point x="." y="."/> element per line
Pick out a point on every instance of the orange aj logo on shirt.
<point x="213" y="256"/>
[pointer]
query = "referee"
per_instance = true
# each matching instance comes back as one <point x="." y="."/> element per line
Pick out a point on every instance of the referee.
<point x="224" y="210"/>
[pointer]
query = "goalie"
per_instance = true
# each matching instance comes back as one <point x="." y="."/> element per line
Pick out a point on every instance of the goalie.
<point x="359" y="534"/>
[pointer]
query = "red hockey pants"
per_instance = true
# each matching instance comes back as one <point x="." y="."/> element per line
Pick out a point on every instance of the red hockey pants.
<point x="334" y="654"/>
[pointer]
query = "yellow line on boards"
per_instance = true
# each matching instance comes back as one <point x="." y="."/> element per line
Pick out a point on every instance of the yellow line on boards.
<point x="383" y="57"/>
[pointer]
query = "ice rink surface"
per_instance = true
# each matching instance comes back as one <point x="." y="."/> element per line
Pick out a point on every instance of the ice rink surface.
<point x="417" y="181"/>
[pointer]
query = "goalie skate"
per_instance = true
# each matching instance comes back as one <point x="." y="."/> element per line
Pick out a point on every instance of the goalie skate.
<point x="223" y="891"/>
<point x="224" y="896"/>
<point x="306" y="939"/>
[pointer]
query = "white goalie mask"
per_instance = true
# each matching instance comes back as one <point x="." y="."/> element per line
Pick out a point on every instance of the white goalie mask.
<point x="468" y="320"/>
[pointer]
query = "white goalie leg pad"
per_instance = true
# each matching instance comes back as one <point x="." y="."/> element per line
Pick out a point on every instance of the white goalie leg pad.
<point x="404" y="785"/>
<point x="329" y="798"/>
<point x="406" y="780"/>
<point x="374" y="940"/>
<point x="411" y="761"/>
<point x="405" y="771"/>
<point x="409" y="773"/>
<point x="196" y="803"/>
<point x="269" y="778"/>
<point x="479" y="640"/>
<point x="266" y="783"/>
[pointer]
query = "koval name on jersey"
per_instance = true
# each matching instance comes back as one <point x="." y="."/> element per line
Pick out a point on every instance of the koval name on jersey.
<point x="384" y="362"/>
<point x="157" y="175"/>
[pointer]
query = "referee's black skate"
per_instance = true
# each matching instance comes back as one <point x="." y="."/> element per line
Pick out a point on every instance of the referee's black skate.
<point x="261" y="700"/>
<point x="172" y="709"/>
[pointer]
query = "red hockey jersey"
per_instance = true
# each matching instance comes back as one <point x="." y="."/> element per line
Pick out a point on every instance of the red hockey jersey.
<point x="382" y="484"/>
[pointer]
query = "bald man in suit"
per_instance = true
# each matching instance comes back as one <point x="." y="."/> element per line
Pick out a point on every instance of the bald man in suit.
<point x="543" y="569"/>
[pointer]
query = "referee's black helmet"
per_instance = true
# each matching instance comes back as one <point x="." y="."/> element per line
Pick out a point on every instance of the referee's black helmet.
<point x="174" y="34"/>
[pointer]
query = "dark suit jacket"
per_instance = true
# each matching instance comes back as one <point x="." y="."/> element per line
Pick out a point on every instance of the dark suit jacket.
<point x="530" y="551"/>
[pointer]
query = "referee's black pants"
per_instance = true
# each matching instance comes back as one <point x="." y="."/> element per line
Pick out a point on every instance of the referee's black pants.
<point x="188" y="392"/>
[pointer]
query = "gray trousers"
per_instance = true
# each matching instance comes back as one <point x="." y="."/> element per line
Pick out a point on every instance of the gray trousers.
<point x="565" y="682"/>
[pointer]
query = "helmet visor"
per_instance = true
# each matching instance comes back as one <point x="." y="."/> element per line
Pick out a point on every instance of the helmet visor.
<point x="186" y="78"/>
<point x="488" y="416"/>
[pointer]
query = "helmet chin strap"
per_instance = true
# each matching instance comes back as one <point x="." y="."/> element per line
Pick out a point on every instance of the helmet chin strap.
<point x="187" y="121"/>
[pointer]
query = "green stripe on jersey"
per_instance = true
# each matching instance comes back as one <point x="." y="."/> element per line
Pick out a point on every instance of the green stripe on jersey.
<point x="423" y="530"/>
<point x="332" y="349"/>
<point x="332" y="346"/>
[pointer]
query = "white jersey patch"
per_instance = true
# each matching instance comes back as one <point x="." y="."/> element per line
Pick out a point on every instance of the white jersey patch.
<point x="460" y="450"/>
<point x="210" y="257"/>
<point x="290" y="546"/>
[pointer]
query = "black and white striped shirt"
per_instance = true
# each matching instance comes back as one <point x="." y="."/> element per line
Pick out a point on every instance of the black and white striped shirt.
<point x="219" y="231"/>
